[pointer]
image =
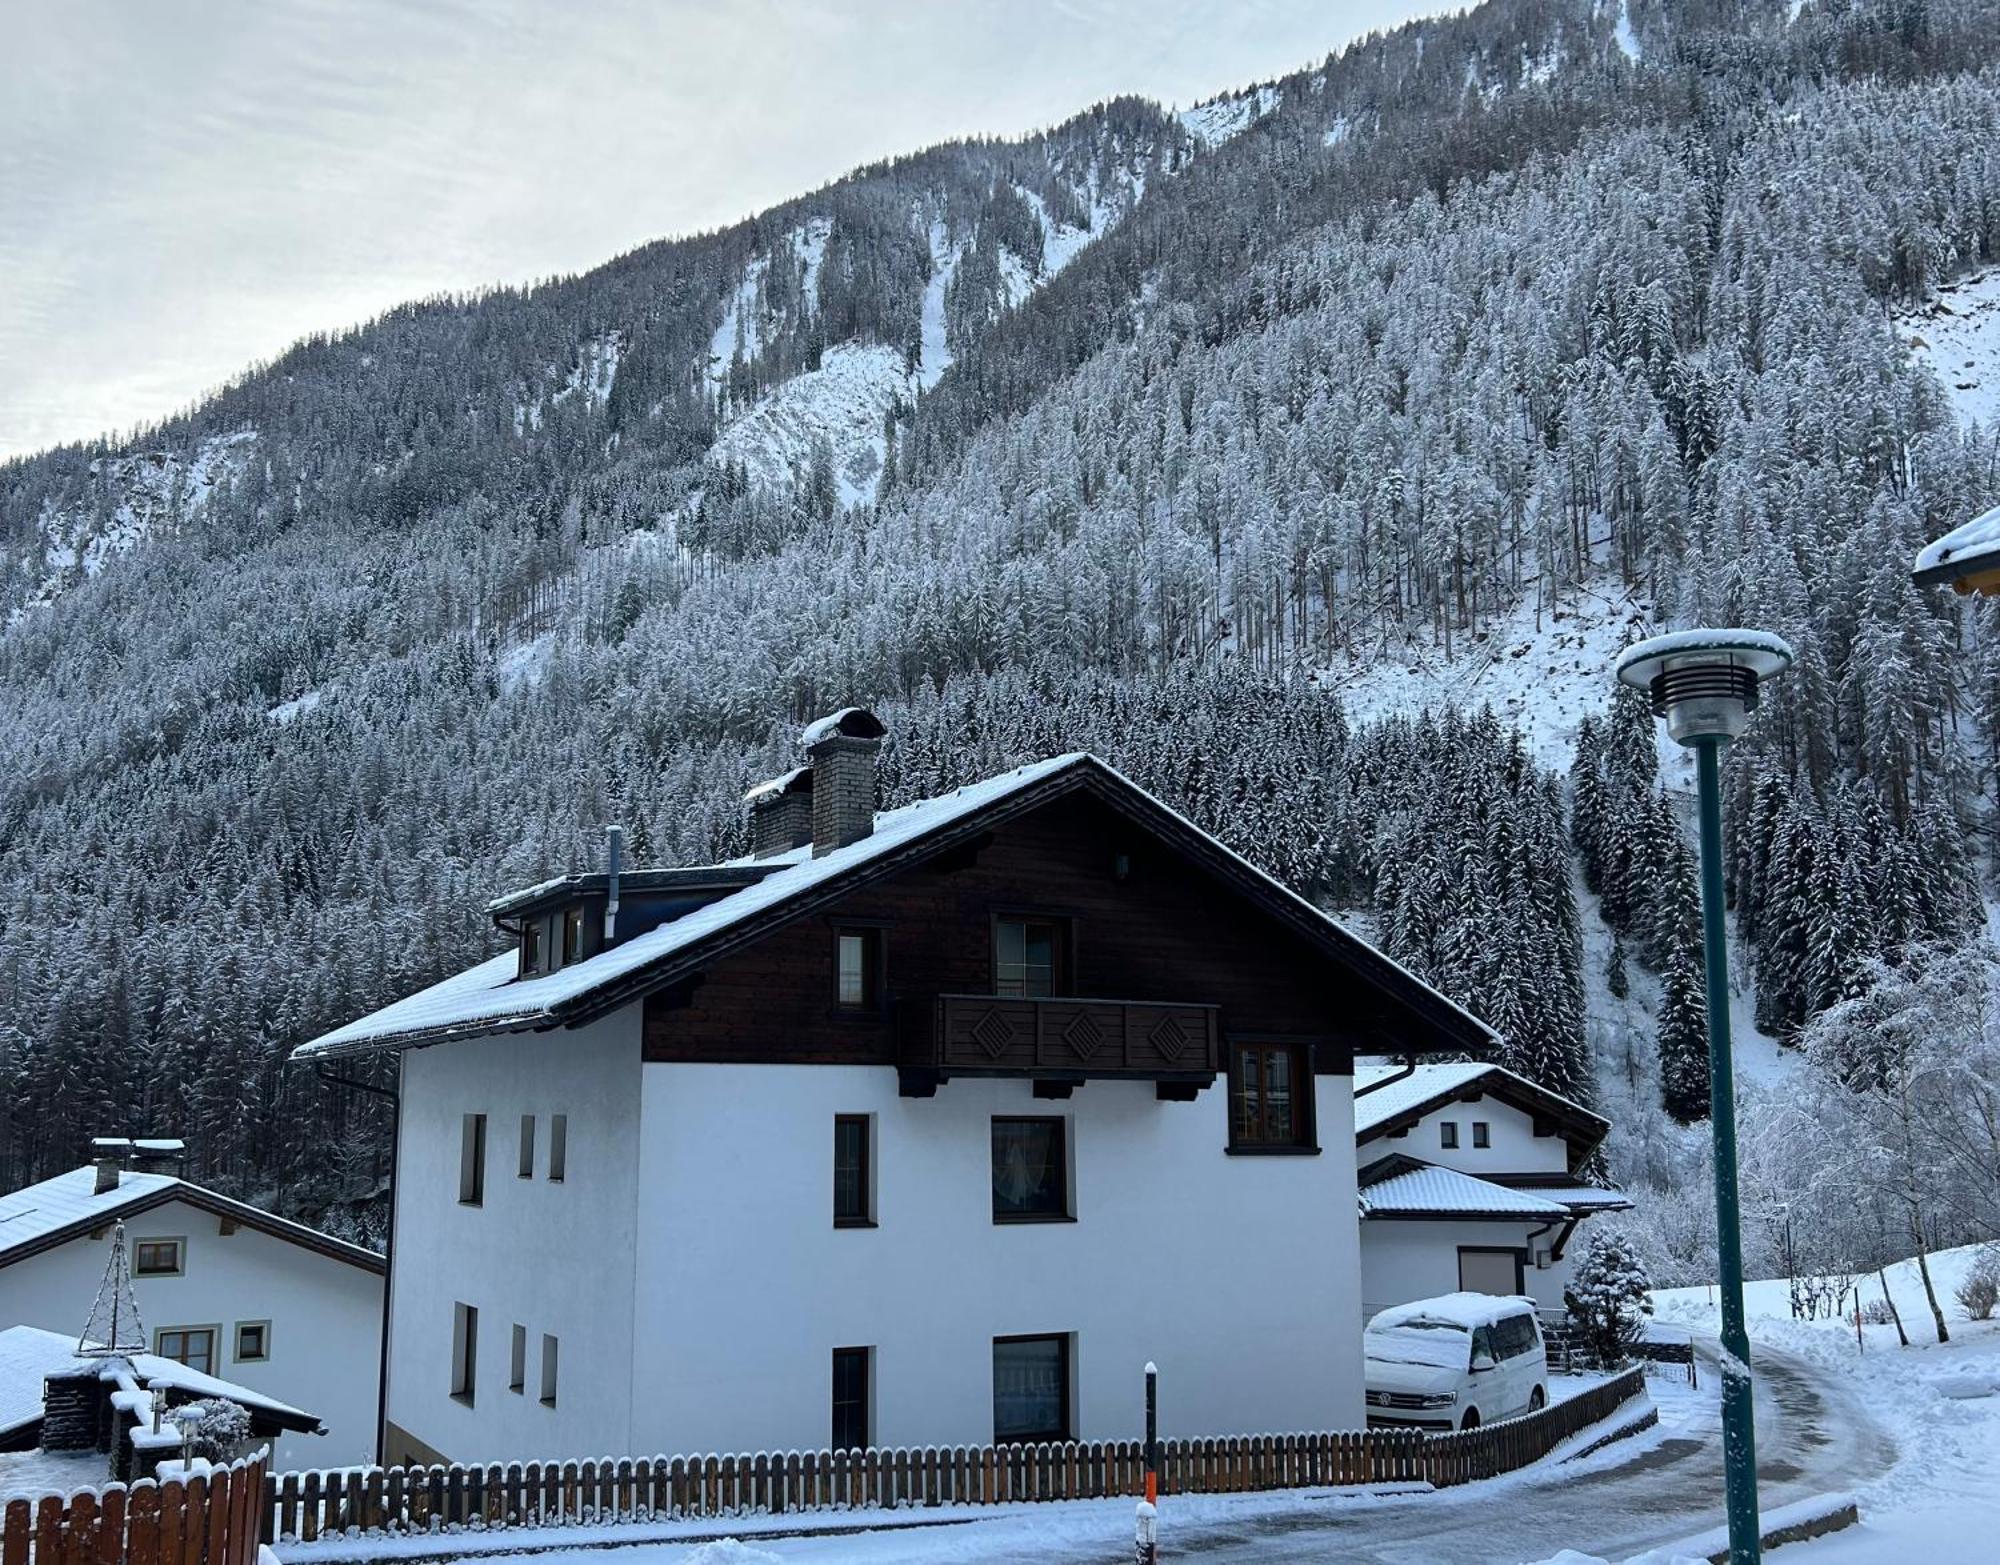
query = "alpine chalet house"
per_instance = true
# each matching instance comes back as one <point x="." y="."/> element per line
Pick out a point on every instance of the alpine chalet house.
<point x="224" y="1288"/>
<point x="1471" y="1181"/>
<point x="922" y="1127"/>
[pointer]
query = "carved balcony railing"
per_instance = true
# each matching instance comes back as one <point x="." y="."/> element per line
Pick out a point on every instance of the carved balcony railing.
<point x="1065" y="1038"/>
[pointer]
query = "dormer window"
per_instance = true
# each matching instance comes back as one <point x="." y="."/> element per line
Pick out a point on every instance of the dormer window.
<point x="531" y="947"/>
<point x="572" y="935"/>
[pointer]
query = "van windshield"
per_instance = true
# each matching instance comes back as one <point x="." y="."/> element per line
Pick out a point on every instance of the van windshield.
<point x="1422" y="1339"/>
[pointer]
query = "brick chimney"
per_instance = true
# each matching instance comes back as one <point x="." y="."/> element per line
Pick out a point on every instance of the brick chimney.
<point x="781" y="813"/>
<point x="841" y="752"/>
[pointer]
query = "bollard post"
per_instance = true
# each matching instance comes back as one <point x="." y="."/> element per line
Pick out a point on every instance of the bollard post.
<point x="1147" y="1547"/>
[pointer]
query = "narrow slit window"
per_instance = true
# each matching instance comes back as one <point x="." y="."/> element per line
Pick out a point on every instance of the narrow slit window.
<point x="464" y="1351"/>
<point x="850" y="1398"/>
<point x="853" y="1195"/>
<point x="517" y="1360"/>
<point x="472" y="1160"/>
<point x="548" y="1370"/>
<point x="558" y="1147"/>
<point x="857" y="962"/>
<point x="527" y="1169"/>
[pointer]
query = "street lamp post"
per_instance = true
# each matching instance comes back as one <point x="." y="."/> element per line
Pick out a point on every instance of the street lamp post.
<point x="1704" y="683"/>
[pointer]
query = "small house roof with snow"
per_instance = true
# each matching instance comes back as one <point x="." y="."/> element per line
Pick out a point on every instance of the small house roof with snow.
<point x="1405" y="1188"/>
<point x="1389" y="1099"/>
<point x="1972" y="549"/>
<point x="29" y="1356"/>
<point x="41" y="1216"/>
<point x="492" y="998"/>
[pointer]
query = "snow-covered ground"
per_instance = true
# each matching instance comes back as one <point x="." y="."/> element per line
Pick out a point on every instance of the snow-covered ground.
<point x="31" y="1474"/>
<point x="1543" y="672"/>
<point x="1219" y="119"/>
<point x="844" y="402"/>
<point x="1958" y="336"/>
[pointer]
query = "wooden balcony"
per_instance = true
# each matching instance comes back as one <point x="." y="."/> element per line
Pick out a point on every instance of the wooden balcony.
<point x="1064" y="1039"/>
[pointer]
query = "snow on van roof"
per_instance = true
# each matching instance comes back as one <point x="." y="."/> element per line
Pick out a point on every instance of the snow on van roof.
<point x="1468" y="1311"/>
<point x="492" y="998"/>
<point x="1964" y="546"/>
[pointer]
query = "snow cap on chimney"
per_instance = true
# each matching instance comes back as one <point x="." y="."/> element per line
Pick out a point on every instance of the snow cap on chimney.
<point x="841" y="749"/>
<point x="781" y="813"/>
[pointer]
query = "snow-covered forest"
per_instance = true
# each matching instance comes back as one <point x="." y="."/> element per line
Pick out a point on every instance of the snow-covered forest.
<point x="1593" y="312"/>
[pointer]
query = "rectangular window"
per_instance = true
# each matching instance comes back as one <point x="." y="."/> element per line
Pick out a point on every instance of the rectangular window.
<point x="517" y="1359"/>
<point x="1448" y="1133"/>
<point x="1482" y="1133"/>
<point x="157" y="1258"/>
<point x="1025" y="953"/>
<point x="1030" y="1170"/>
<point x="853" y="1195"/>
<point x="558" y="1147"/>
<point x="464" y="1351"/>
<point x="531" y="948"/>
<point x="472" y="1160"/>
<point x="573" y="927"/>
<point x="850" y="1398"/>
<point x="527" y="1168"/>
<point x="1270" y="1097"/>
<point x="1031" y="1402"/>
<point x="253" y="1341"/>
<point x="193" y="1346"/>
<point x="857" y="969"/>
<point x="548" y="1370"/>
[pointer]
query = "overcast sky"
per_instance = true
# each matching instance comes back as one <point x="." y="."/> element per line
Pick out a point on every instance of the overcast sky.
<point x="189" y="185"/>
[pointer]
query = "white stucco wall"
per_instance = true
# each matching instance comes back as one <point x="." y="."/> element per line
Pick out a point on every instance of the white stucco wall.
<point x="1406" y="1260"/>
<point x="555" y="1257"/>
<point x="1516" y="1149"/>
<point x="1239" y="1276"/>
<point x="325" y="1315"/>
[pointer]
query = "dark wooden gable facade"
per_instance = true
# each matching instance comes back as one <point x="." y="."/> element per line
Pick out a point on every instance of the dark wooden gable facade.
<point x="1161" y="962"/>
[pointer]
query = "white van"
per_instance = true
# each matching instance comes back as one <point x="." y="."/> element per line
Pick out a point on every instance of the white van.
<point x="1455" y="1362"/>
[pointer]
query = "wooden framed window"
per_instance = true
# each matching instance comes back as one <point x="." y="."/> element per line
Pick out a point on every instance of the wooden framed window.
<point x="517" y="1360"/>
<point x="548" y="1370"/>
<point x="853" y="1171"/>
<point x="1030" y="957"/>
<point x="857" y="969"/>
<point x="531" y="948"/>
<point x="193" y="1346"/>
<point x="573" y="925"/>
<point x="253" y="1341"/>
<point x="1448" y="1134"/>
<point x="1270" y="1096"/>
<point x="1482" y="1133"/>
<point x="1031" y="1390"/>
<point x="852" y="1385"/>
<point x="558" y="1147"/>
<point x="526" y="1166"/>
<point x="159" y="1258"/>
<point x="1031" y="1169"/>
<point x="464" y="1352"/>
<point x="472" y="1160"/>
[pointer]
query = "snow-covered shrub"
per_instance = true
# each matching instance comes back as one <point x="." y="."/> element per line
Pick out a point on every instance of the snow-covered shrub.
<point x="214" y="1426"/>
<point x="1608" y="1296"/>
<point x="1978" y="1290"/>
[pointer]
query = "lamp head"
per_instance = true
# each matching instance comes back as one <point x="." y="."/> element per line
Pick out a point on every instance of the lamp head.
<point x="1704" y="682"/>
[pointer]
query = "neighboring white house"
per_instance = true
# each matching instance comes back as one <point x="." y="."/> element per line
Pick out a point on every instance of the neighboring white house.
<point x="826" y="1146"/>
<point x="1470" y="1180"/>
<point x="223" y="1288"/>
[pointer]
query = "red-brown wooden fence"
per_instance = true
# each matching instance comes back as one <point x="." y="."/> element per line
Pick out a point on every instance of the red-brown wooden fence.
<point x="210" y="1519"/>
<point x="313" y="1505"/>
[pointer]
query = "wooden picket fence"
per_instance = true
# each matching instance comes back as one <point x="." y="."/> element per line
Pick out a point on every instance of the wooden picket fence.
<point x="212" y="1519"/>
<point x="413" y="1500"/>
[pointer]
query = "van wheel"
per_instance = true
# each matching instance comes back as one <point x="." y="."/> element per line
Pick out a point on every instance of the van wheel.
<point x="1537" y="1400"/>
<point x="1471" y="1420"/>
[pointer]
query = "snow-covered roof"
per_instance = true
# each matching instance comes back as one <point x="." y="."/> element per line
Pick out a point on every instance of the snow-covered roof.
<point x="29" y="1355"/>
<point x="1576" y="1196"/>
<point x="1427" y="1190"/>
<point x="1972" y="546"/>
<point x="39" y="1215"/>
<point x="1387" y="1093"/>
<point x="491" y="997"/>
